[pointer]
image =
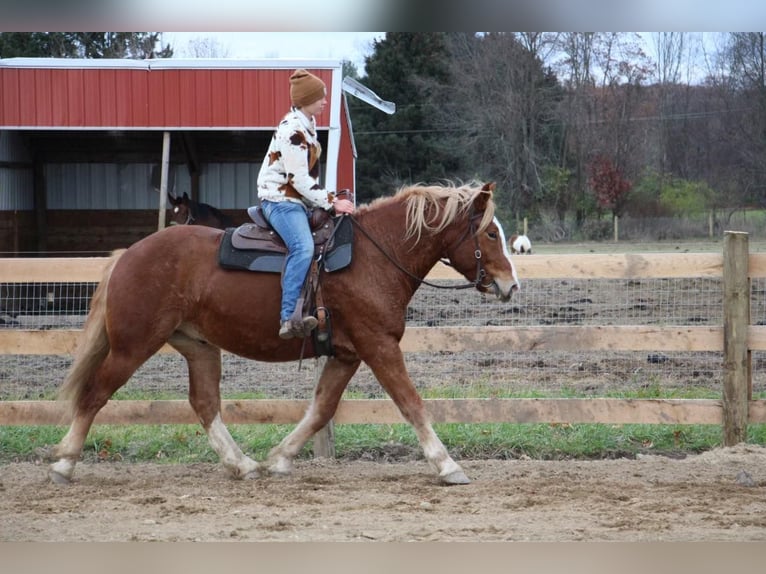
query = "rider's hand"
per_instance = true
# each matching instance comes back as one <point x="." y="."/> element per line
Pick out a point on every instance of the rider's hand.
<point x="343" y="206"/>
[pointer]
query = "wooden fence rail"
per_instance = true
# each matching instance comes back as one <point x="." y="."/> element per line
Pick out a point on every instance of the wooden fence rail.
<point x="736" y="339"/>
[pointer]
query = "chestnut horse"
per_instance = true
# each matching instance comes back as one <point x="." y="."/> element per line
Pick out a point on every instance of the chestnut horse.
<point x="169" y="288"/>
<point x="186" y="211"/>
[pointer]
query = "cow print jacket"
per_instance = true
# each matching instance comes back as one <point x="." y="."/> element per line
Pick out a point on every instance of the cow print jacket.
<point x="290" y="170"/>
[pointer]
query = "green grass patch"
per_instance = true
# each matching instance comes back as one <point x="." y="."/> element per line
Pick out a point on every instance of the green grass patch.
<point x="188" y="443"/>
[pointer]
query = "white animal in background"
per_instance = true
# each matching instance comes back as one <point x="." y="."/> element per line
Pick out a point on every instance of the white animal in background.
<point x="520" y="244"/>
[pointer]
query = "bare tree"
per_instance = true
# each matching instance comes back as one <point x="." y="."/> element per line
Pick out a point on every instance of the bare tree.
<point x="206" y="47"/>
<point x="669" y="48"/>
<point x="746" y="56"/>
<point x="576" y="70"/>
<point x="497" y="110"/>
<point x="603" y="74"/>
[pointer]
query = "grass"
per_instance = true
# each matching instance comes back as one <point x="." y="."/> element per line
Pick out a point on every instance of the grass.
<point x="188" y="443"/>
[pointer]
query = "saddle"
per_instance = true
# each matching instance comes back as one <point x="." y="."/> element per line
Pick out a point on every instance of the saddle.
<point x="258" y="247"/>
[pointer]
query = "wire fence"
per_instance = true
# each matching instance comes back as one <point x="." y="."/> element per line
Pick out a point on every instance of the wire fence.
<point x="476" y="374"/>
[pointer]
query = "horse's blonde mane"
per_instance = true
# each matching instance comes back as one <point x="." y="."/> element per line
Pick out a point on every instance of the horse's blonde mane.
<point x="431" y="208"/>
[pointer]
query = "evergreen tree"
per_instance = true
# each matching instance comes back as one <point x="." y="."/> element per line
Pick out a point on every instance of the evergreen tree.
<point x="133" y="45"/>
<point x="403" y="147"/>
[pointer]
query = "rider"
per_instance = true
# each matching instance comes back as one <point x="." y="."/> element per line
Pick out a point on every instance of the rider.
<point x="288" y="185"/>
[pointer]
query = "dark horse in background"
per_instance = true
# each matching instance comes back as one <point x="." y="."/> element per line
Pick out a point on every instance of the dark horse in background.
<point x="170" y="288"/>
<point x="186" y="211"/>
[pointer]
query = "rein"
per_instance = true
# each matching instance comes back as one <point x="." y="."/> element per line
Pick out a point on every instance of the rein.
<point x="480" y="273"/>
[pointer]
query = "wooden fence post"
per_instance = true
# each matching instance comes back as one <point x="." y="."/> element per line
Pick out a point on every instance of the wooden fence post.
<point x="736" y="320"/>
<point x="324" y="439"/>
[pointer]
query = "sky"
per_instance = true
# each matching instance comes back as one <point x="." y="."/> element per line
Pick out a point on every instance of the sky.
<point x="333" y="15"/>
<point x="353" y="46"/>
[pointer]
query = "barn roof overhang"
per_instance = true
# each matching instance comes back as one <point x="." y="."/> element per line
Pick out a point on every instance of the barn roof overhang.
<point x="161" y="94"/>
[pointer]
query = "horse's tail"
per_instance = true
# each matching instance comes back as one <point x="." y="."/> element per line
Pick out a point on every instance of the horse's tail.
<point x="93" y="345"/>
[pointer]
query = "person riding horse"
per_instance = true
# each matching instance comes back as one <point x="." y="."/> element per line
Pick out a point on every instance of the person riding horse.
<point x="288" y="184"/>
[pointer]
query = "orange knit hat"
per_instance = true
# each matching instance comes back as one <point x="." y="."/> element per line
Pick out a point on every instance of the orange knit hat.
<point x="306" y="88"/>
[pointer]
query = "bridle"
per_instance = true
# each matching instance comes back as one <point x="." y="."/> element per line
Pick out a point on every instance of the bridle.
<point x="189" y="216"/>
<point x="471" y="229"/>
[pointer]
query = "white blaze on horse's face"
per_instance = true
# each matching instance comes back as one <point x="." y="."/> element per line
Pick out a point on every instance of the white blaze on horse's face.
<point x="176" y="209"/>
<point x="507" y="253"/>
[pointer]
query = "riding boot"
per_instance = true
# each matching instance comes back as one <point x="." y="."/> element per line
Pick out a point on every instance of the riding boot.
<point x="298" y="325"/>
<point x="298" y="328"/>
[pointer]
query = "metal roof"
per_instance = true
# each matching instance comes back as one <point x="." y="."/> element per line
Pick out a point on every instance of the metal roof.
<point x="57" y="93"/>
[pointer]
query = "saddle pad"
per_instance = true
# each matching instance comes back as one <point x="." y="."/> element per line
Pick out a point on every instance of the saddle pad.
<point x="339" y="257"/>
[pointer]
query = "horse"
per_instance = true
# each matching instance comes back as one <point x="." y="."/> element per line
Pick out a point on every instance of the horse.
<point x="520" y="245"/>
<point x="186" y="211"/>
<point x="170" y="288"/>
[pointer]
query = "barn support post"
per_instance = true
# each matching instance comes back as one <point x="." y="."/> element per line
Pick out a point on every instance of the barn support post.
<point x="324" y="439"/>
<point x="41" y="203"/>
<point x="164" y="180"/>
<point x="736" y="320"/>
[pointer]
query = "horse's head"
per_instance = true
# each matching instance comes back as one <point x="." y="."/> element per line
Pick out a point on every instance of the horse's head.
<point x="180" y="213"/>
<point x="477" y="247"/>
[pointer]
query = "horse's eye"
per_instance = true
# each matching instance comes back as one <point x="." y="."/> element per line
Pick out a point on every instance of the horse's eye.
<point x="492" y="235"/>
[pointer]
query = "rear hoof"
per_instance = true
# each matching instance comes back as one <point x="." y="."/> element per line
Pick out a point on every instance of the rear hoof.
<point x="281" y="469"/>
<point x="58" y="478"/>
<point x="455" y="477"/>
<point x="60" y="472"/>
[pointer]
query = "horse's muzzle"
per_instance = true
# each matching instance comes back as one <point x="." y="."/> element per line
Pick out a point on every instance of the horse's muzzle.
<point x="505" y="289"/>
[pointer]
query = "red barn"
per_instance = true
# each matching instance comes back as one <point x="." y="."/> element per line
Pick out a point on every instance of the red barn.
<point x="87" y="145"/>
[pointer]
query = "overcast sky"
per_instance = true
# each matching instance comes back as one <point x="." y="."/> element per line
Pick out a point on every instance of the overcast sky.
<point x="353" y="46"/>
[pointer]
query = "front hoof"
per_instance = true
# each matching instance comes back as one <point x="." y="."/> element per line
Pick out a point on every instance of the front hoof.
<point x="246" y="470"/>
<point x="455" y="477"/>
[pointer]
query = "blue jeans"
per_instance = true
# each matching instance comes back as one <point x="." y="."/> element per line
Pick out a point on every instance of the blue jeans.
<point x="291" y="221"/>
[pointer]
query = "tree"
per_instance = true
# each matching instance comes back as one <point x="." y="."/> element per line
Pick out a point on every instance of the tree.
<point x="134" y="45"/>
<point x="603" y="76"/>
<point x="37" y="45"/>
<point x="609" y="185"/>
<point x="736" y="130"/>
<point x="746" y="55"/>
<point x="497" y="105"/>
<point x="205" y="47"/>
<point x="403" y="147"/>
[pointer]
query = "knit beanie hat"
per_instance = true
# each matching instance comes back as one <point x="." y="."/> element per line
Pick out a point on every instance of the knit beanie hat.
<point x="305" y="88"/>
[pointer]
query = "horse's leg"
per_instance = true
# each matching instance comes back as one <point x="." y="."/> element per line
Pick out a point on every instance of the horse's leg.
<point x="204" y="362"/>
<point x="332" y="382"/>
<point x="110" y="375"/>
<point x="387" y="363"/>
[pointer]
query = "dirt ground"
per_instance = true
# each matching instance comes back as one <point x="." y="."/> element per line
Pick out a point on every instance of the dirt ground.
<point x="719" y="495"/>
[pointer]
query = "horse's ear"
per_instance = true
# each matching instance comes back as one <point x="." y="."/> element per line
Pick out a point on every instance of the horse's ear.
<point x="186" y="197"/>
<point x="480" y="203"/>
<point x="173" y="199"/>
